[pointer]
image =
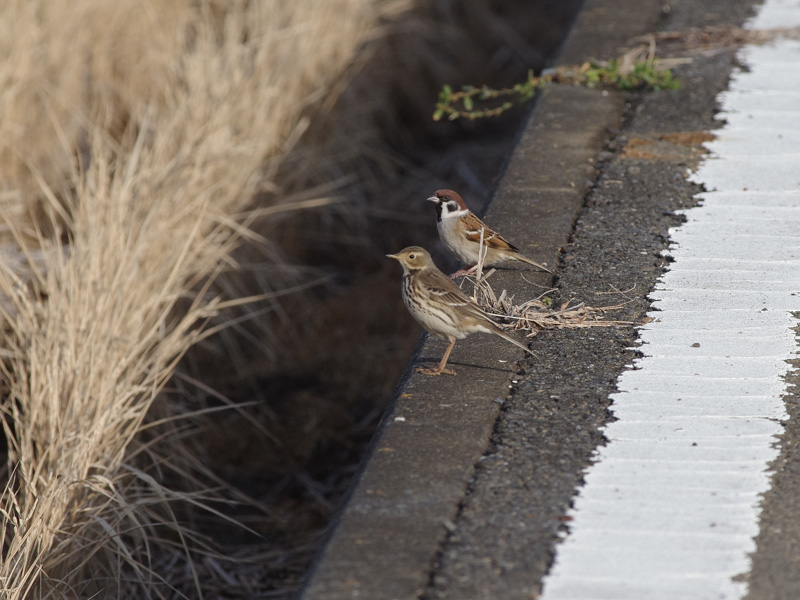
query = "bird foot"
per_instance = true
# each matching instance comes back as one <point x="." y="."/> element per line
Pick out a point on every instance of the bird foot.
<point x="464" y="272"/>
<point x="435" y="371"/>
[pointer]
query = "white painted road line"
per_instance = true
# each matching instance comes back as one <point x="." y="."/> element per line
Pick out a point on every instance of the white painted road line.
<point x="670" y="508"/>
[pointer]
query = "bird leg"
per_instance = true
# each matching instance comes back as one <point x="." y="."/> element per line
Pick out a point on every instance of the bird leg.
<point x="440" y="367"/>
<point x="464" y="272"/>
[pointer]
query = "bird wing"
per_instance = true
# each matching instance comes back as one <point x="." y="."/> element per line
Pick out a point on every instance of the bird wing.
<point x="448" y="292"/>
<point x="492" y="239"/>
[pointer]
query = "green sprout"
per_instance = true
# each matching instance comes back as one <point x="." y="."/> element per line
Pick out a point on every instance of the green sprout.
<point x="624" y="73"/>
<point x="643" y="75"/>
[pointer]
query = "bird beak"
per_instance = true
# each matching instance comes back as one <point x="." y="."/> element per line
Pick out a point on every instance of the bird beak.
<point x="394" y="256"/>
<point x="433" y="199"/>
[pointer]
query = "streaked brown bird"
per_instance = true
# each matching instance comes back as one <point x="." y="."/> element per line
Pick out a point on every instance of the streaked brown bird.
<point x="460" y="231"/>
<point x="440" y="306"/>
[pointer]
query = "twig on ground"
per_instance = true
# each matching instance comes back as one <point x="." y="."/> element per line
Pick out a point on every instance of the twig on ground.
<point x="534" y="315"/>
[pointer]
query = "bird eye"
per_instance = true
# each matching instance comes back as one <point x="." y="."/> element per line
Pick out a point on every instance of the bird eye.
<point x="446" y="198"/>
<point x="412" y="256"/>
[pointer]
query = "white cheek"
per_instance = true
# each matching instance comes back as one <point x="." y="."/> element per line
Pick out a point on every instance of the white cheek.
<point x="454" y="212"/>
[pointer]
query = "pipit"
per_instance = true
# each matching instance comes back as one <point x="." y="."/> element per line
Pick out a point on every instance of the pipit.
<point x="440" y="306"/>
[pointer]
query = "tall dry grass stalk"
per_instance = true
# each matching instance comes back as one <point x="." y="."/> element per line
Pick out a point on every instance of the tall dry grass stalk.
<point x="133" y="135"/>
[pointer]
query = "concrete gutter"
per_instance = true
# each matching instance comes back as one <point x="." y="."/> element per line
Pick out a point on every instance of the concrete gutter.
<point x="388" y="535"/>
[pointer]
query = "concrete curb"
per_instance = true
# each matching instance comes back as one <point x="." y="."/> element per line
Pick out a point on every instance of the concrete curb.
<point x="387" y="537"/>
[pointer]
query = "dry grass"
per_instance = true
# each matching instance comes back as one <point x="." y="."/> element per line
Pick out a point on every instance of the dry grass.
<point x="133" y="137"/>
<point x="713" y="39"/>
<point x="536" y="314"/>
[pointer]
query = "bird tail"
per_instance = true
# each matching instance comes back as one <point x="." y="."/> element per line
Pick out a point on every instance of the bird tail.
<point x="525" y="259"/>
<point x="511" y="339"/>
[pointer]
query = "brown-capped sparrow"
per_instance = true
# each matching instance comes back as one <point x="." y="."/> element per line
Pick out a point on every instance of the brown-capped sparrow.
<point x="460" y="230"/>
<point x="440" y="306"/>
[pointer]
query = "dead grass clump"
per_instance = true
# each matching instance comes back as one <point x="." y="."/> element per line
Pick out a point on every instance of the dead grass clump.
<point x="134" y="135"/>
<point x="535" y="315"/>
<point x="713" y="39"/>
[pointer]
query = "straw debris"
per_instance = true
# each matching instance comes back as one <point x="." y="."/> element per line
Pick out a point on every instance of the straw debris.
<point x="535" y="315"/>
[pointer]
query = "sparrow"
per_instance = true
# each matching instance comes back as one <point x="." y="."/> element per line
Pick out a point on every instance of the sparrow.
<point x="440" y="306"/>
<point x="460" y="230"/>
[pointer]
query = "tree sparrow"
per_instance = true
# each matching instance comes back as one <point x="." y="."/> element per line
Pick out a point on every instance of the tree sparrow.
<point x="460" y="230"/>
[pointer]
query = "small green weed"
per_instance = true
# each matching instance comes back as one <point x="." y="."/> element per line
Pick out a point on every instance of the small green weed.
<point x="626" y="73"/>
<point x="645" y="74"/>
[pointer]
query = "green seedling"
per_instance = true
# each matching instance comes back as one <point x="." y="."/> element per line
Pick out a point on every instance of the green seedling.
<point x="481" y="102"/>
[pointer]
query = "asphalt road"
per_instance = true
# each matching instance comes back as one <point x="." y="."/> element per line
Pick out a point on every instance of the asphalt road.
<point x="467" y="492"/>
<point x="514" y="511"/>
